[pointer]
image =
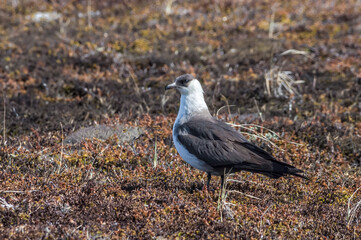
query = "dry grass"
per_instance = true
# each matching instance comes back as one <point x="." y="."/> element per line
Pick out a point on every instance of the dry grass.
<point x="108" y="62"/>
<point x="353" y="210"/>
<point x="281" y="83"/>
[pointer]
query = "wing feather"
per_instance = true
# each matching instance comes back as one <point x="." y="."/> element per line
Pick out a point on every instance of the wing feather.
<point x="221" y="146"/>
<point x="214" y="142"/>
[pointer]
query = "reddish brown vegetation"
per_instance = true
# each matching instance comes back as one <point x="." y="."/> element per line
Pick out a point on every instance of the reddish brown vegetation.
<point x="59" y="75"/>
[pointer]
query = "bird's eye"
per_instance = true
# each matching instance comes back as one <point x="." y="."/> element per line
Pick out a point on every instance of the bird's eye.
<point x="183" y="81"/>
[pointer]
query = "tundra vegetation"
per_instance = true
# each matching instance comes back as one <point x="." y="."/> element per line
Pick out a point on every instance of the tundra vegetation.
<point x="286" y="73"/>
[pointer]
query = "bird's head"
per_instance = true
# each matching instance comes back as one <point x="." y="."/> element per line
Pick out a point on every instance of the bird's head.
<point x="187" y="85"/>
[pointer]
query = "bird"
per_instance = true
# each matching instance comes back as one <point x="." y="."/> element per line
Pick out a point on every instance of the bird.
<point x="213" y="146"/>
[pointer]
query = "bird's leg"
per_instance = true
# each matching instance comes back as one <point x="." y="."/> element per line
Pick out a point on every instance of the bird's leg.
<point x="209" y="176"/>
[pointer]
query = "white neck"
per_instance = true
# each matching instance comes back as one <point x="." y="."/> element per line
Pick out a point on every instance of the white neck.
<point x="190" y="105"/>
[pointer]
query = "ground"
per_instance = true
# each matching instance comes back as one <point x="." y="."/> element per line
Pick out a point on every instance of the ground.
<point x="291" y="70"/>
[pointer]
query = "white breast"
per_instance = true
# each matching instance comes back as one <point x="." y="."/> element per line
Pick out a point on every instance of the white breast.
<point x="190" y="158"/>
<point x="192" y="103"/>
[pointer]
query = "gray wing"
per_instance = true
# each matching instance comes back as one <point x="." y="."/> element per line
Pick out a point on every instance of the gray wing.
<point x="220" y="145"/>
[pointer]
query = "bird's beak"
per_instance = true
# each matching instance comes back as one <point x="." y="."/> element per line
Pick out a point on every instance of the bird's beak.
<point x="170" y="86"/>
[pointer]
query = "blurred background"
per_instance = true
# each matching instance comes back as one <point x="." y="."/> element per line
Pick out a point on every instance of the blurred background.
<point x="292" y="67"/>
<point x="76" y="62"/>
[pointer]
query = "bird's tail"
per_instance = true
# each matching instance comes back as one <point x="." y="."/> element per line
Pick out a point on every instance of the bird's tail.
<point x="262" y="162"/>
<point x="281" y="170"/>
<point x="273" y="169"/>
<point x="296" y="172"/>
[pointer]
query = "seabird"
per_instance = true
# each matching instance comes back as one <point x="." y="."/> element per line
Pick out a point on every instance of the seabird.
<point x="213" y="146"/>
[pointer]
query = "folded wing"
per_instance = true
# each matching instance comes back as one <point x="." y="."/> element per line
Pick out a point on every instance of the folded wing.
<point x="221" y="146"/>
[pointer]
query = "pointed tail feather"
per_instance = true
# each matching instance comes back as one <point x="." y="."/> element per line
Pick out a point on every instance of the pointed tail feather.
<point x="296" y="172"/>
<point x="274" y="170"/>
<point x="281" y="171"/>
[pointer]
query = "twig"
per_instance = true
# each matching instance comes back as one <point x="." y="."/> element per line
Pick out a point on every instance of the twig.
<point x="62" y="148"/>
<point x="155" y="159"/>
<point x="271" y="25"/>
<point x="259" y="112"/>
<point x="228" y="106"/>
<point x="351" y="212"/>
<point x="255" y="125"/>
<point x="17" y="191"/>
<point x="134" y="78"/>
<point x="250" y="196"/>
<point x="263" y="138"/>
<point x="4" y="119"/>
<point x="259" y="126"/>
<point x="4" y="204"/>
<point x="261" y="222"/>
<point x="294" y="52"/>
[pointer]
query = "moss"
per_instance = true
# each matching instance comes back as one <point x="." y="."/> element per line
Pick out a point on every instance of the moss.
<point x="110" y="72"/>
<point x="141" y="45"/>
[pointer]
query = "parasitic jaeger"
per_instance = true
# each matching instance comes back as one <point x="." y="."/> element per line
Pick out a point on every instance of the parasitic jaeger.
<point x="213" y="146"/>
